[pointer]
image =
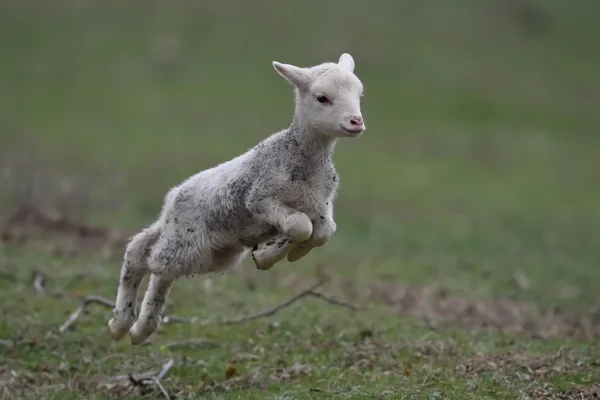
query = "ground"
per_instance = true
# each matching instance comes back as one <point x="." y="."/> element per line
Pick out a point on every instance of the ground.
<point x="468" y="215"/>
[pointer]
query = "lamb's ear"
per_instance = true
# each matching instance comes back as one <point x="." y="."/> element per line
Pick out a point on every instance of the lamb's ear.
<point x="347" y="62"/>
<point x="295" y="75"/>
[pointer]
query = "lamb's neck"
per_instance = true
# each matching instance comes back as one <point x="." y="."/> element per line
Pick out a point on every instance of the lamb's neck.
<point x="314" y="145"/>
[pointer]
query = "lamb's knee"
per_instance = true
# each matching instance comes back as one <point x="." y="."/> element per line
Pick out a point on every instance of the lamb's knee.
<point x="298" y="226"/>
<point x="319" y="241"/>
<point x="139" y="245"/>
<point x="323" y="231"/>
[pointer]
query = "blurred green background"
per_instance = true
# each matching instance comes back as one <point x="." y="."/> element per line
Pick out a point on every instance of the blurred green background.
<point x="480" y="158"/>
<point x="478" y="173"/>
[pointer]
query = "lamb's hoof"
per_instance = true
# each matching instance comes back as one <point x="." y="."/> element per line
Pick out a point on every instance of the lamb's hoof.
<point x="298" y="252"/>
<point x="262" y="264"/>
<point x="264" y="256"/>
<point x="138" y="335"/>
<point x="117" y="331"/>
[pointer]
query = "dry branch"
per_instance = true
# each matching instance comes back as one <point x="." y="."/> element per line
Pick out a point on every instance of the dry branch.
<point x="272" y="311"/>
<point x="144" y="378"/>
<point x="266" y="313"/>
<point x="75" y="315"/>
<point x="196" y="343"/>
<point x="161" y="388"/>
<point x="245" y="318"/>
<point x="39" y="284"/>
<point x="161" y="375"/>
<point x="81" y="309"/>
<point x="334" y="301"/>
<point x="40" y="287"/>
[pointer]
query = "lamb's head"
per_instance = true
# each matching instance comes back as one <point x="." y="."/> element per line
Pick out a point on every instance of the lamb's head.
<point x="327" y="97"/>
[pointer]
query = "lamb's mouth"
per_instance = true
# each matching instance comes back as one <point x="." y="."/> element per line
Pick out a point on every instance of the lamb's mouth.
<point x="353" y="132"/>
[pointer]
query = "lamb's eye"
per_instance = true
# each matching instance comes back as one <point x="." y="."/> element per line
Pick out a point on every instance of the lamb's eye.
<point x="322" y="99"/>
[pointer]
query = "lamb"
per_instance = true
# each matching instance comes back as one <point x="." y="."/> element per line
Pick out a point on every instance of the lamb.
<point x="274" y="201"/>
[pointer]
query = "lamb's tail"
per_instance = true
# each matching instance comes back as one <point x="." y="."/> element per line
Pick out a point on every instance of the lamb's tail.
<point x="139" y="246"/>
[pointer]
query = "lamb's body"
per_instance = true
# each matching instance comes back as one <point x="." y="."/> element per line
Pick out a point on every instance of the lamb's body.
<point x="275" y="200"/>
<point x="209" y="221"/>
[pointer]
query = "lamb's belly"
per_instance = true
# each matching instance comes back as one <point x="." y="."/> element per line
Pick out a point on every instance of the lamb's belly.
<point x="258" y="232"/>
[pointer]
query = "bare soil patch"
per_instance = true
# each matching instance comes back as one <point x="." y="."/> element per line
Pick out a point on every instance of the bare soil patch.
<point x="437" y="308"/>
<point x="31" y="226"/>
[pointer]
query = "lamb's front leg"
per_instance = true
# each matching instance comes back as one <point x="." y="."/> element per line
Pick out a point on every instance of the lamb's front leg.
<point x="324" y="228"/>
<point x="152" y="305"/>
<point x="266" y="254"/>
<point x="294" y="227"/>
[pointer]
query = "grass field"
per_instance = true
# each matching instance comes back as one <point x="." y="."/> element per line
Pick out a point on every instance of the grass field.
<point x="468" y="214"/>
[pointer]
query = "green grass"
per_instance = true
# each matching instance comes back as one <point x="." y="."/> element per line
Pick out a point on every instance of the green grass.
<point x="473" y="196"/>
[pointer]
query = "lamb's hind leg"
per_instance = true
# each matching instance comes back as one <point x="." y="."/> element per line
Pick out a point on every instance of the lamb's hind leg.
<point x="125" y="304"/>
<point x="267" y="254"/>
<point x="152" y="306"/>
<point x="132" y="272"/>
<point x="162" y="279"/>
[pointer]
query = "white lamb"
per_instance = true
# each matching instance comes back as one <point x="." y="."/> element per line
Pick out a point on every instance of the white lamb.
<point x="273" y="201"/>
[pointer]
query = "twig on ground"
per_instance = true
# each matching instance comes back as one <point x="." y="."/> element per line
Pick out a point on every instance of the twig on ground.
<point x="272" y="311"/>
<point x="161" y="388"/>
<point x="81" y="309"/>
<point x="166" y="367"/>
<point x="175" y="319"/>
<point x="151" y="376"/>
<point x="39" y="286"/>
<point x="197" y="343"/>
<point x="266" y="313"/>
<point x="160" y="376"/>
<point x="39" y="283"/>
<point x="135" y="378"/>
<point x="333" y="301"/>
<point x="317" y="390"/>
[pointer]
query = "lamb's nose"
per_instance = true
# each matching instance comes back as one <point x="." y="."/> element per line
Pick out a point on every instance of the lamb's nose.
<point x="356" y="121"/>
